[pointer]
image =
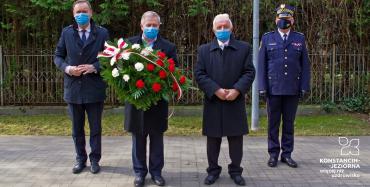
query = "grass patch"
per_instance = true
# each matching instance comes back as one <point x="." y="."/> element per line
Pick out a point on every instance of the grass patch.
<point x="60" y="125"/>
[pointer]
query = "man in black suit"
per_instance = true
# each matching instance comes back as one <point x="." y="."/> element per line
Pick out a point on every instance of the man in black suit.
<point x="224" y="72"/>
<point x="152" y="122"/>
<point x="84" y="90"/>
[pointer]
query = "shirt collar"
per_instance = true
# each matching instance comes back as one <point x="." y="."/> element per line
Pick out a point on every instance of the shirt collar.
<point x="88" y="29"/>
<point x="282" y="34"/>
<point x="223" y="43"/>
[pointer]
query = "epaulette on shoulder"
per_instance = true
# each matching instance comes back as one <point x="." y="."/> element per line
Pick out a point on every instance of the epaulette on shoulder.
<point x="267" y="33"/>
<point x="299" y="33"/>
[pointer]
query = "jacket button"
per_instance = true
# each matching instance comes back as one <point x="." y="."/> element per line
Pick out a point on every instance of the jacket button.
<point x="286" y="50"/>
<point x="80" y="53"/>
<point x="286" y="58"/>
<point x="286" y="65"/>
<point x="269" y="77"/>
<point x="285" y="73"/>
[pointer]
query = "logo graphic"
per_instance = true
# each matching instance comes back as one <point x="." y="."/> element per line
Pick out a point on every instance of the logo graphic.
<point x="349" y="147"/>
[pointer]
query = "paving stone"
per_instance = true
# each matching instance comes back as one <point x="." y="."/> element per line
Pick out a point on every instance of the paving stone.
<point x="47" y="161"/>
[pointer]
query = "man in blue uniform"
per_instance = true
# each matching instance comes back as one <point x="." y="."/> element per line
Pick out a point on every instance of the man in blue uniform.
<point x="284" y="77"/>
<point x="84" y="89"/>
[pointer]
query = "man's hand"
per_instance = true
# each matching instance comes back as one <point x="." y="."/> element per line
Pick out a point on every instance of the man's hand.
<point x="263" y="95"/>
<point x="87" y="68"/>
<point x="232" y="94"/>
<point x="221" y="93"/>
<point x="75" y="71"/>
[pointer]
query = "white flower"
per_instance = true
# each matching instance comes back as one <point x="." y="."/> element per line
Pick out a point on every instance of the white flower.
<point x="145" y="52"/>
<point x="112" y="61"/>
<point x="115" y="72"/>
<point x="126" y="77"/>
<point x="125" y="55"/>
<point x="139" y="66"/>
<point x="122" y="44"/>
<point x="135" y="46"/>
<point x="149" y="49"/>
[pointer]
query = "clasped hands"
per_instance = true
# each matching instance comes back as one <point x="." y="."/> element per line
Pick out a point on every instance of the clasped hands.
<point x="227" y="94"/>
<point x="81" y="69"/>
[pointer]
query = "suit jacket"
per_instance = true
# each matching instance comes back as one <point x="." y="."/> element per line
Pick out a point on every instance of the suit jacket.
<point x="283" y="68"/>
<point x="71" y="51"/>
<point x="230" y="68"/>
<point x="155" y="118"/>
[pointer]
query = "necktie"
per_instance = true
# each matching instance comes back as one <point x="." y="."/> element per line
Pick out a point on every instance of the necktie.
<point x="83" y="38"/>
<point x="285" y="36"/>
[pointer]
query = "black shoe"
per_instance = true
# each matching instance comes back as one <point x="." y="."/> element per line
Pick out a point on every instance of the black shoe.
<point x="139" y="181"/>
<point x="238" y="180"/>
<point x="272" y="162"/>
<point x="95" y="168"/>
<point x="158" y="180"/>
<point x="78" y="167"/>
<point x="290" y="162"/>
<point x="210" y="179"/>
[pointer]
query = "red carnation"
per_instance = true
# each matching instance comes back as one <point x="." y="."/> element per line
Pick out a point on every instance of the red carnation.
<point x="150" y="67"/>
<point x="160" y="62"/>
<point x="161" y="54"/>
<point x="156" y="87"/>
<point x="171" y="61"/>
<point x="140" y="84"/>
<point x="182" y="79"/>
<point x="162" y="74"/>
<point x="171" y="68"/>
<point x="175" y="87"/>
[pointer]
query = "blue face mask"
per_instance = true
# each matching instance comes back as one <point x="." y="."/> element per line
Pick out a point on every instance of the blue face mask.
<point x="284" y="24"/>
<point x="151" y="32"/>
<point x="82" y="18"/>
<point x="223" y="35"/>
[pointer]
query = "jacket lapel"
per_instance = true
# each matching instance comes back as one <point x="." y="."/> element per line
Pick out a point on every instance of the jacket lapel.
<point x="92" y="35"/>
<point x="290" y="39"/>
<point x="278" y="38"/>
<point x="77" y="38"/>
<point x="90" y="40"/>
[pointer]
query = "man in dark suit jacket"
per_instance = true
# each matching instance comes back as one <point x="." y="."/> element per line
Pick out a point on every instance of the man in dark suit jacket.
<point x="152" y="122"/>
<point x="283" y="77"/>
<point x="84" y="89"/>
<point x="224" y="72"/>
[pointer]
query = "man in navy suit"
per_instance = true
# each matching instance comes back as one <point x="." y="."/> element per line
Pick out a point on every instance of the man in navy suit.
<point x="152" y="122"/>
<point x="84" y="90"/>
<point x="284" y="77"/>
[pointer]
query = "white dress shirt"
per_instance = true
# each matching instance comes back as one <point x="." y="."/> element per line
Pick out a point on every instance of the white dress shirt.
<point x="87" y="31"/>
<point x="223" y="44"/>
<point x="282" y="34"/>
